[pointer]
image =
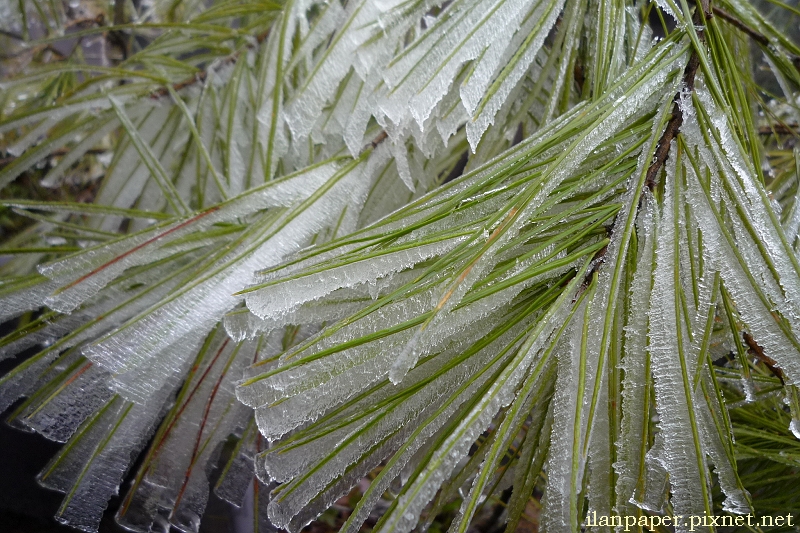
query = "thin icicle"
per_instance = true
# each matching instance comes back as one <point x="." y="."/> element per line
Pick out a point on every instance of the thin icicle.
<point x="277" y="300"/>
<point x="486" y="106"/>
<point x="635" y="364"/>
<point x="684" y="456"/>
<point x="500" y="394"/>
<point x="84" y="274"/>
<point x="564" y="465"/>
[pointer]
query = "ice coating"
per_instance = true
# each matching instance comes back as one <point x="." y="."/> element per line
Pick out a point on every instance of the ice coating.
<point x="413" y="442"/>
<point x="725" y="259"/>
<point x="25" y="295"/>
<point x="567" y="418"/>
<point x="672" y="364"/>
<point x="263" y="390"/>
<point x="500" y="393"/>
<point x="84" y="393"/>
<point x="716" y="427"/>
<point x="462" y="318"/>
<point x="654" y="496"/>
<point x="536" y="384"/>
<point x="55" y="175"/>
<point x="241" y="323"/>
<point x="534" y="33"/>
<point x="173" y="475"/>
<point x="195" y="309"/>
<point x="302" y="112"/>
<point x="107" y="261"/>
<point x="92" y="468"/>
<point x="635" y="364"/>
<point x="333" y="407"/>
<point x="288" y="296"/>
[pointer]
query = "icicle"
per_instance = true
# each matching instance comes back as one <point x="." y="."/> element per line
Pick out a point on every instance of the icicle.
<point x="83" y="275"/>
<point x="193" y="311"/>
<point x="718" y="437"/>
<point x="302" y="112"/>
<point x="563" y="479"/>
<point x="672" y="369"/>
<point x="407" y="417"/>
<point x="654" y="495"/>
<point x="27" y="295"/>
<point x="483" y="107"/>
<point x="174" y="474"/>
<point x="263" y="390"/>
<point x="236" y="479"/>
<point x="91" y="467"/>
<point x="723" y="258"/>
<point x="635" y="365"/>
<point x="277" y="300"/>
<point x="500" y="394"/>
<point x="82" y="393"/>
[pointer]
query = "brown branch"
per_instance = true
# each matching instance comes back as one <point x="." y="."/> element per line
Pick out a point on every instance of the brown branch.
<point x="758" y="352"/>
<point x="779" y="129"/>
<point x="676" y="121"/>
<point x="754" y="34"/>
<point x="197" y="78"/>
<point x="598" y="261"/>
<point x="374" y="143"/>
<point x="84" y="23"/>
<point x="738" y="24"/>
<point x="12" y="35"/>
<point x="670" y="132"/>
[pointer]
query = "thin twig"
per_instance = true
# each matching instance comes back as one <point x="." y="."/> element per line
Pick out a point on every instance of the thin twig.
<point x="86" y="22"/>
<point x="12" y="35"/>
<point x="754" y="34"/>
<point x="779" y="129"/>
<point x="670" y="132"/>
<point x="597" y="261"/>
<point x="758" y="352"/>
<point x="676" y="121"/>
<point x="374" y="143"/>
<point x="197" y="78"/>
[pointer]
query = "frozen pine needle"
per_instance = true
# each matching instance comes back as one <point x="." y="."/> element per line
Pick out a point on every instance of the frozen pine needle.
<point x="441" y="264"/>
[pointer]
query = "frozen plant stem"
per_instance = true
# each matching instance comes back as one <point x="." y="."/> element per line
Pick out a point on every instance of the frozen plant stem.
<point x="701" y="14"/>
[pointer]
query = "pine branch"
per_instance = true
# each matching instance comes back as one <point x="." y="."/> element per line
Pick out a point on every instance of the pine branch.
<point x="384" y="320"/>
<point x="676" y="120"/>
<point x="754" y="34"/>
